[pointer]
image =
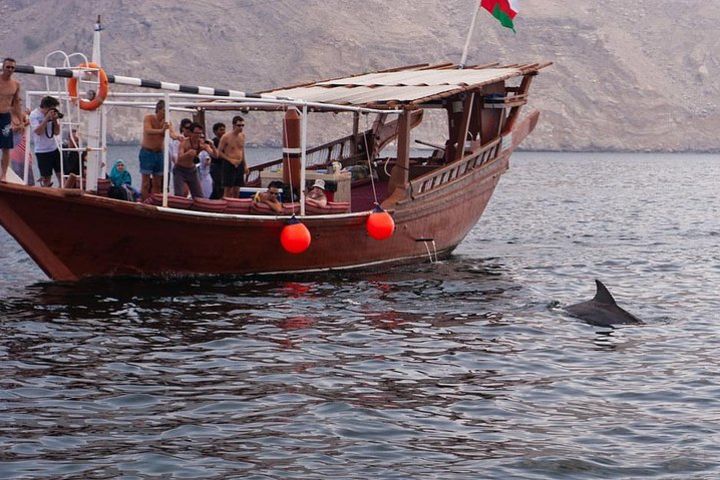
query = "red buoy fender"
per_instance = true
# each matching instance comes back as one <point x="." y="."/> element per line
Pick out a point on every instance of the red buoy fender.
<point x="295" y="238"/>
<point x="380" y="224"/>
<point x="100" y="95"/>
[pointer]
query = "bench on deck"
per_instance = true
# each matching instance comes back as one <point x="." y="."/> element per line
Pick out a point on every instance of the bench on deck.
<point x="330" y="209"/>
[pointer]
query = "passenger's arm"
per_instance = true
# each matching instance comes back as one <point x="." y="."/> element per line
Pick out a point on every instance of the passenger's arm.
<point x="39" y="127"/>
<point x="17" y="104"/>
<point x="185" y="152"/>
<point x="221" y="149"/>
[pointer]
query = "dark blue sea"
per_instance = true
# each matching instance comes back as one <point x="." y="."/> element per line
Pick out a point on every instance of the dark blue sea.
<point x="463" y="369"/>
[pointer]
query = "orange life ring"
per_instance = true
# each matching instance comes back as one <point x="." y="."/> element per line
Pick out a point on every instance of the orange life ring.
<point x="101" y="94"/>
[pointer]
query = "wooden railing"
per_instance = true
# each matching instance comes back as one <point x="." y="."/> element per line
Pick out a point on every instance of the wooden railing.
<point x="337" y="150"/>
<point x="430" y="181"/>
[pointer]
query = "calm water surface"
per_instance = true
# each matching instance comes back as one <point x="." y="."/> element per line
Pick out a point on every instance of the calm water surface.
<point x="466" y="368"/>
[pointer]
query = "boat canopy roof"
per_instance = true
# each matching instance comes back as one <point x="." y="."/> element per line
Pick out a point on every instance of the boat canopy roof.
<point x="407" y="86"/>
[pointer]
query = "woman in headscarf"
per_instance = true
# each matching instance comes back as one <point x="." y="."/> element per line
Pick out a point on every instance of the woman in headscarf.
<point x="120" y="178"/>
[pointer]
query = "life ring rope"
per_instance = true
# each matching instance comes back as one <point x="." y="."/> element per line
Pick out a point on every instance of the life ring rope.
<point x="100" y="95"/>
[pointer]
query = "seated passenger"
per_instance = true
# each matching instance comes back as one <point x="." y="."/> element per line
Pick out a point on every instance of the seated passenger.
<point x="271" y="196"/>
<point x="121" y="179"/>
<point x="73" y="179"/>
<point x="316" y="196"/>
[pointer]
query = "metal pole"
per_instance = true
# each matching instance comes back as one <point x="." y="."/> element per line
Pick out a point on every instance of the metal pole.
<point x="463" y="59"/>
<point x="103" y="142"/>
<point x="303" y="158"/>
<point x="27" y="134"/>
<point x="96" y="42"/>
<point x="166" y="154"/>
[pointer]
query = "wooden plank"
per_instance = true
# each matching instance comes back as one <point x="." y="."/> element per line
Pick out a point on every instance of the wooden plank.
<point x="462" y="129"/>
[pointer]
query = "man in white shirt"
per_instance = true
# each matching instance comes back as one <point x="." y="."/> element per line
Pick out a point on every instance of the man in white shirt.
<point x="45" y="126"/>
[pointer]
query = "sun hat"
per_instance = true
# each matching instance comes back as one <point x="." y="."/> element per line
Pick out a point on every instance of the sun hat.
<point x="320" y="183"/>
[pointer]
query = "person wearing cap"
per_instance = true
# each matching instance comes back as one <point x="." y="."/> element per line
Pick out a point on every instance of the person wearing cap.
<point x="316" y="196"/>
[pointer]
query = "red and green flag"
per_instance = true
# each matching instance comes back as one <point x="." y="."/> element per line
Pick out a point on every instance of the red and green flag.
<point x="504" y="10"/>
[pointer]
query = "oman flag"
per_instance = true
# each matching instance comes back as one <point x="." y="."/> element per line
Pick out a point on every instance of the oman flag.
<point x="503" y="10"/>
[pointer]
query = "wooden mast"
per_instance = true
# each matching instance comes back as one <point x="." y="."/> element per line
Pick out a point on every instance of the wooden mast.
<point x="464" y="124"/>
<point x="399" y="176"/>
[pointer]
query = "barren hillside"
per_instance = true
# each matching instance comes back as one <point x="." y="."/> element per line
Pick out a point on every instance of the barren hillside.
<point x="632" y="76"/>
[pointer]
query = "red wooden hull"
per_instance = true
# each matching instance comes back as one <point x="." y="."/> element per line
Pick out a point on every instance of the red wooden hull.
<point x="72" y="235"/>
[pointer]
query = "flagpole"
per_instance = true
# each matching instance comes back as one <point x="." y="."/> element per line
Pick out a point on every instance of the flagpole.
<point x="469" y="36"/>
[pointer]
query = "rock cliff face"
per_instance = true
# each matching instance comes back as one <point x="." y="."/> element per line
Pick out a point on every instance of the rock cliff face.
<point x="627" y="76"/>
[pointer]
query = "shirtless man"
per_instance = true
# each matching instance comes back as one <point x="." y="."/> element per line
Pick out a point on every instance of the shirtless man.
<point x="185" y="171"/>
<point x="232" y="152"/>
<point x="12" y="117"/>
<point x="151" y="151"/>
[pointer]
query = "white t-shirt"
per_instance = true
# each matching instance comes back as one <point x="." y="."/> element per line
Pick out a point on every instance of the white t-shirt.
<point x="42" y="144"/>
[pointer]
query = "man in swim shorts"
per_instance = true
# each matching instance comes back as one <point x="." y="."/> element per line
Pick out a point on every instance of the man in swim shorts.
<point x="151" y="151"/>
<point x="11" y="114"/>
<point x="232" y="152"/>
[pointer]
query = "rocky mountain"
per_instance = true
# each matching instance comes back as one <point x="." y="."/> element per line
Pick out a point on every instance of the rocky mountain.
<point x="626" y="76"/>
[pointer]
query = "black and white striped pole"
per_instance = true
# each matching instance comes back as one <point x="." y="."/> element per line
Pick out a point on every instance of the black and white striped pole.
<point x="141" y="82"/>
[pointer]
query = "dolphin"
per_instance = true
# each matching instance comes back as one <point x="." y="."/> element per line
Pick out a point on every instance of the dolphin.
<point x="602" y="310"/>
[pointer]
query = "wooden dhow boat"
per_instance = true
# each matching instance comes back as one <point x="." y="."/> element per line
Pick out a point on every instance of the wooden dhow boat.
<point x="434" y="196"/>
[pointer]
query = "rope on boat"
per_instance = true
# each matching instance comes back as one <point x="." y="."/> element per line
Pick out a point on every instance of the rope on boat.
<point x="367" y="153"/>
<point x="426" y="241"/>
<point x="140" y="82"/>
<point x="289" y="163"/>
<point x="430" y="254"/>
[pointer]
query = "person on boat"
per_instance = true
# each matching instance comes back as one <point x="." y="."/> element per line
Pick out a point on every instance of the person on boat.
<point x="316" y="196"/>
<point x="204" y="168"/>
<point x="185" y="170"/>
<point x="120" y="178"/>
<point x="12" y="117"/>
<point x="73" y="180"/>
<point x="71" y="158"/>
<point x="45" y="127"/>
<point x="232" y="152"/>
<point x="151" y="150"/>
<point x="17" y="155"/>
<point x="176" y="139"/>
<point x="216" y="165"/>
<point x="271" y="196"/>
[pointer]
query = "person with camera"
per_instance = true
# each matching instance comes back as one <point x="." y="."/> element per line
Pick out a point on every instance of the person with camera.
<point x="45" y="127"/>
<point x="185" y="170"/>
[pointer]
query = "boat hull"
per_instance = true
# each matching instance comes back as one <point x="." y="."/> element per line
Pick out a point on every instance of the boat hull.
<point x="72" y="235"/>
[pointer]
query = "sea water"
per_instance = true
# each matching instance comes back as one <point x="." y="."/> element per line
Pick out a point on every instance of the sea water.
<point x="467" y="368"/>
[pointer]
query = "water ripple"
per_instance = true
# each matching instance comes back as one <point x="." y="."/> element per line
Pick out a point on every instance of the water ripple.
<point x="464" y="369"/>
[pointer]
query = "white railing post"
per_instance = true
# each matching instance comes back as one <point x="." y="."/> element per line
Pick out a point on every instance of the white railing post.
<point x="303" y="158"/>
<point x="166" y="154"/>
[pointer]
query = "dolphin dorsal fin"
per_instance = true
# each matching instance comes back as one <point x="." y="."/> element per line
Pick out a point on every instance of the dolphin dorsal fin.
<point x="603" y="294"/>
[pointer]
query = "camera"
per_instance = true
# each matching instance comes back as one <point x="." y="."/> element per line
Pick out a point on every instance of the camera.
<point x="58" y="112"/>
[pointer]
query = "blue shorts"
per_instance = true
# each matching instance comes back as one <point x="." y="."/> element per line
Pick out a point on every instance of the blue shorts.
<point x="151" y="163"/>
<point x="6" y="133"/>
